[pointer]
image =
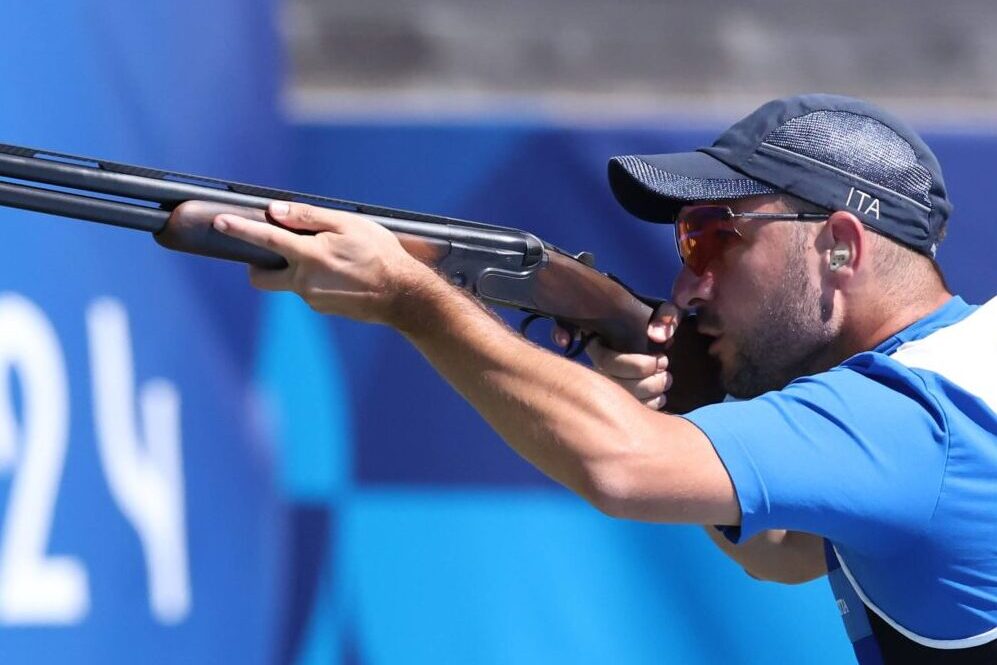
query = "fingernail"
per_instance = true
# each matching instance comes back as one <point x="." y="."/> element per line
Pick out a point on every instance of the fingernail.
<point x="220" y="223"/>
<point x="278" y="209"/>
<point x="662" y="363"/>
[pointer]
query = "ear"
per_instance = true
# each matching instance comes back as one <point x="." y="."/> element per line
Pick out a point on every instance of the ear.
<point x="843" y="242"/>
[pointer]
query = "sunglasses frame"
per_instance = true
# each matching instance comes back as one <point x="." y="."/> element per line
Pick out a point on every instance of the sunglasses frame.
<point x="731" y="216"/>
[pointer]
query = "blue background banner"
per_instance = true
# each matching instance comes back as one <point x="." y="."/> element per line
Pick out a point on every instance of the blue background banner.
<point x="191" y="472"/>
<point x="140" y="517"/>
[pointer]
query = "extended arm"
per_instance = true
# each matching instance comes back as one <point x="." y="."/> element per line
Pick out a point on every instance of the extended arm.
<point x="570" y="422"/>
<point x="573" y="424"/>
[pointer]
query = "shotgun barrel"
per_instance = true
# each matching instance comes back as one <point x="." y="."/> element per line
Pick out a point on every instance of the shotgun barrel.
<point x="503" y="266"/>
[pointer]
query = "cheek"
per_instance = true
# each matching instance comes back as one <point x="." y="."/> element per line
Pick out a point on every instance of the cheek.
<point x="738" y="283"/>
<point x="760" y="264"/>
<point x="741" y="289"/>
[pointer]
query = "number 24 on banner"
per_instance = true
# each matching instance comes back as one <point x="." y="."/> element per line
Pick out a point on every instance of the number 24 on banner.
<point x="139" y="452"/>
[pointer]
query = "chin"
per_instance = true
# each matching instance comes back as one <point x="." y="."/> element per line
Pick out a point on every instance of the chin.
<point x="731" y="385"/>
<point x="741" y="383"/>
<point x="739" y="392"/>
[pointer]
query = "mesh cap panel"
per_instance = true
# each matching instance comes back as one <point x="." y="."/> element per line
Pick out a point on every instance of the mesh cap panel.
<point x="858" y="145"/>
<point x="690" y="189"/>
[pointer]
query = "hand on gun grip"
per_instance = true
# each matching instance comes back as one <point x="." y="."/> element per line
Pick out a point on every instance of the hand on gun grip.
<point x="646" y="377"/>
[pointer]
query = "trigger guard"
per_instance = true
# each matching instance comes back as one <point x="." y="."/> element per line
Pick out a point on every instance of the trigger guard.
<point x="525" y="323"/>
<point x="574" y="348"/>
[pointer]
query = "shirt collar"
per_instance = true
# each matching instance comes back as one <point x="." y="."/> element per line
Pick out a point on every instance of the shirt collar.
<point x="953" y="311"/>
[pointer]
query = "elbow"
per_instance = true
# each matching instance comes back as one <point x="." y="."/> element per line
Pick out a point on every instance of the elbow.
<point x="607" y="503"/>
<point x="634" y="475"/>
<point x="610" y="488"/>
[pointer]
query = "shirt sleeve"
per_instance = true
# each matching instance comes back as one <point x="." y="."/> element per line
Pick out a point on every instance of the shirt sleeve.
<point x="856" y="454"/>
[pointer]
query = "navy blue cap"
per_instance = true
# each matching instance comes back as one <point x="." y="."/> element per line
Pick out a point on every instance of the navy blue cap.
<point x="838" y="153"/>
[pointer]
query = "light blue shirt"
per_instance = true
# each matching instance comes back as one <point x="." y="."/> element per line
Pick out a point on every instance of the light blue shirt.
<point x="892" y="456"/>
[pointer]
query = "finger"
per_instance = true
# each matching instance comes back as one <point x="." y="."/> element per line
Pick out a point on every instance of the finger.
<point x="311" y="218"/>
<point x="664" y="322"/>
<point x="649" y="388"/>
<point x="562" y="337"/>
<point x="625" y="365"/>
<point x="286" y="243"/>
<point x="270" y="280"/>
<point x="656" y="403"/>
<point x="669" y="378"/>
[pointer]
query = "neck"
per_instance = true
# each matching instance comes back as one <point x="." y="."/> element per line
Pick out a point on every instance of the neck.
<point x="888" y="319"/>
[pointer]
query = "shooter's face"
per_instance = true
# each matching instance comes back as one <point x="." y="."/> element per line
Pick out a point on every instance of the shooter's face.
<point x="761" y="300"/>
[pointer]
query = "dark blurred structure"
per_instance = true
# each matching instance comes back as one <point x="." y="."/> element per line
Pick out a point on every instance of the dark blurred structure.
<point x="931" y="59"/>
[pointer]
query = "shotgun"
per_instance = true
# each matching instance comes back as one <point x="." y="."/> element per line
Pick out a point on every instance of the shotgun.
<point x="502" y="266"/>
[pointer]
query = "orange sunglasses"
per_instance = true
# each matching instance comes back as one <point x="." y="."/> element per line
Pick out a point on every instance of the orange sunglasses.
<point x="702" y="232"/>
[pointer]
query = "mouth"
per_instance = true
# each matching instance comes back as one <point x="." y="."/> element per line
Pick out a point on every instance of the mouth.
<point x="714" y="348"/>
<point x="717" y="338"/>
<point x="706" y="324"/>
<point x="709" y="327"/>
<point x="707" y="330"/>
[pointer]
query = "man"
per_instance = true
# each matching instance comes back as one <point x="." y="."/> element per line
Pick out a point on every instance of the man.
<point x="866" y="430"/>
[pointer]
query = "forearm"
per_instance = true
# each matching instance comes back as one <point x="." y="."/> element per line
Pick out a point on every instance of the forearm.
<point x="791" y="557"/>
<point x="562" y="417"/>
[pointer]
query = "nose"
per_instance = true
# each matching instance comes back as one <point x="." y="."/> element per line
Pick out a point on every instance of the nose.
<point x="690" y="290"/>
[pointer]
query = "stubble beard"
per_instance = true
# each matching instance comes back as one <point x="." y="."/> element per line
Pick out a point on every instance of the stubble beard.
<point x="792" y="337"/>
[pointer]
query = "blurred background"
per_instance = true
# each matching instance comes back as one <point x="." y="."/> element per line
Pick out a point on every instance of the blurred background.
<point x="192" y="472"/>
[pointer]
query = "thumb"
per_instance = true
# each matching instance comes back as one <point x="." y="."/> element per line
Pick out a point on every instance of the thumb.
<point x="663" y="322"/>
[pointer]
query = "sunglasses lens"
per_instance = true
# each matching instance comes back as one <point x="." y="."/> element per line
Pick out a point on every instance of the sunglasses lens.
<point x="701" y="234"/>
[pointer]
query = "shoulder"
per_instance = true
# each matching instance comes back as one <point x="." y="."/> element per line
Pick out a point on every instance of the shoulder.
<point x="963" y="354"/>
<point x="857" y="450"/>
<point x="951" y="369"/>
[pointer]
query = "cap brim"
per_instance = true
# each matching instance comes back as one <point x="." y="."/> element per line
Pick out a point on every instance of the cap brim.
<point x="655" y="187"/>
